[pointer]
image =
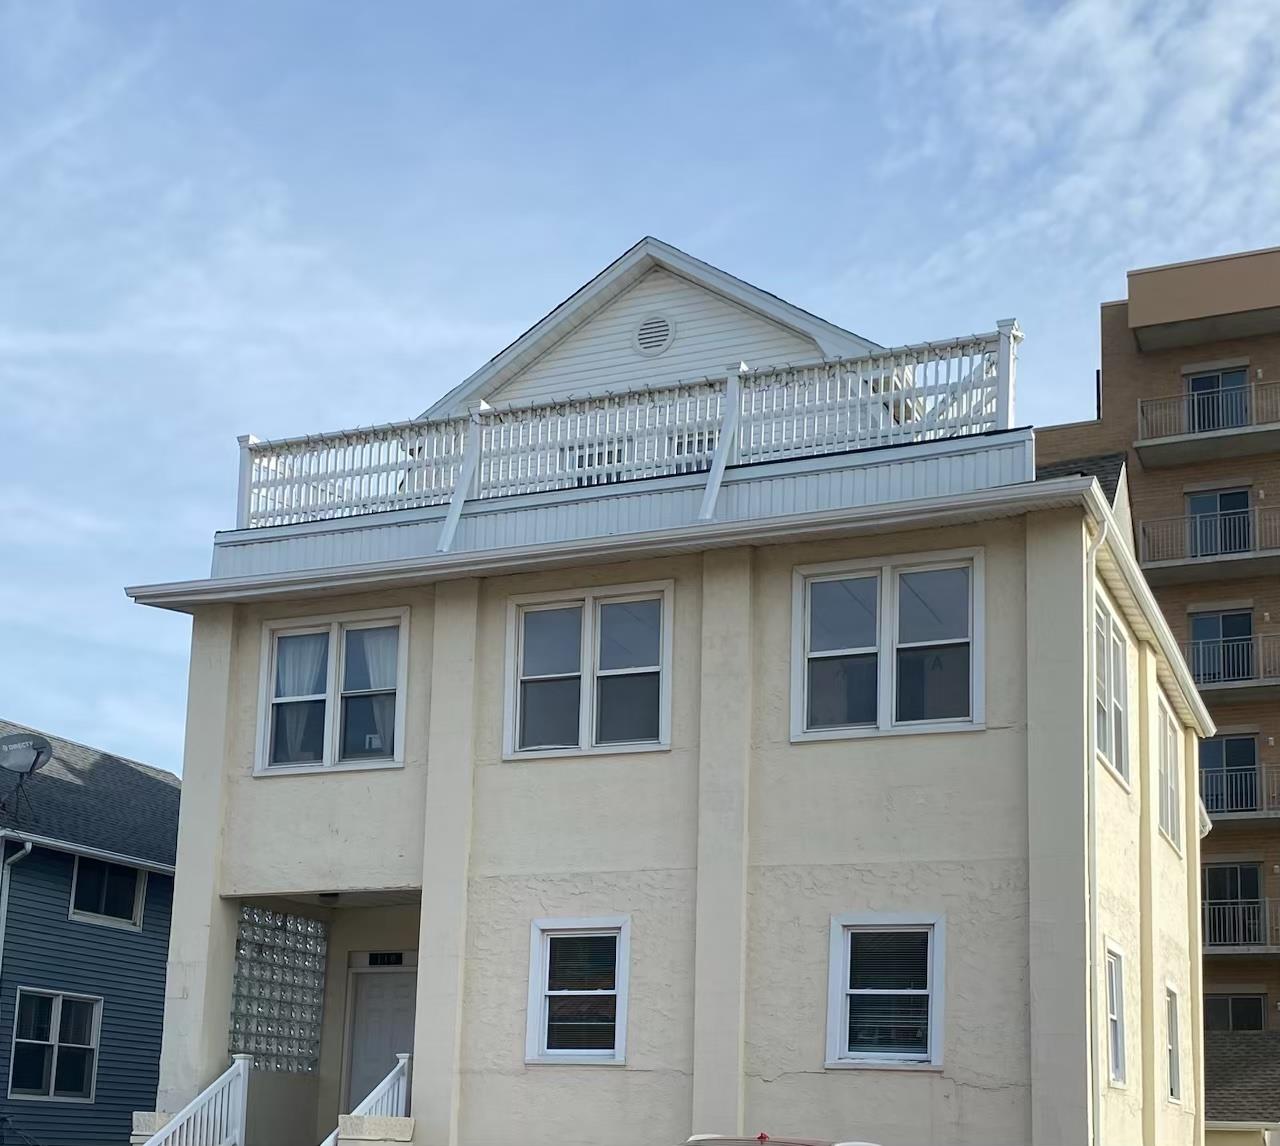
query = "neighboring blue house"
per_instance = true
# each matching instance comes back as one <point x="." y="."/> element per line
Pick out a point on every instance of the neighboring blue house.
<point x="85" y="894"/>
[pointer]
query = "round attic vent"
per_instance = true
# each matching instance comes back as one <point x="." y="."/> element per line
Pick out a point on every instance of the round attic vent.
<point x="654" y="334"/>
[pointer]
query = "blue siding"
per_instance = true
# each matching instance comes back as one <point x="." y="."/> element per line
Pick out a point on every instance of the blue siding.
<point x="45" y="949"/>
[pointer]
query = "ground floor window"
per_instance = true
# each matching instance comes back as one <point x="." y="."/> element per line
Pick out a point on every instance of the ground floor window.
<point x="55" y="1046"/>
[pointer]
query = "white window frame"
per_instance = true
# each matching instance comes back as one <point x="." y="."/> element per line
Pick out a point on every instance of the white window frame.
<point x="1115" y="700"/>
<point x="1117" y="1065"/>
<point x="1170" y="776"/>
<point x="335" y="624"/>
<point x="139" y="898"/>
<point x="540" y="933"/>
<point x="55" y="1021"/>
<point x="839" y="1056"/>
<point x="590" y="601"/>
<point x="1173" y="1043"/>
<point x="888" y="569"/>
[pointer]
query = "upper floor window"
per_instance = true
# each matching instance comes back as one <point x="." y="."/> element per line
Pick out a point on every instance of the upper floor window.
<point x="1222" y="646"/>
<point x="1229" y="773"/>
<point x="1218" y="521"/>
<point x="886" y="645"/>
<point x="55" y="1046"/>
<point x="109" y="893"/>
<point x="1218" y="400"/>
<point x="1111" y="690"/>
<point x="590" y="671"/>
<point x="1235" y="1012"/>
<point x="1170" y="777"/>
<point x="333" y="691"/>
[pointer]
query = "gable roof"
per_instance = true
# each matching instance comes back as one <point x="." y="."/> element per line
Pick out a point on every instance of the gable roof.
<point x="619" y="276"/>
<point x="1242" y="1076"/>
<point x="88" y="799"/>
<point x="1107" y="468"/>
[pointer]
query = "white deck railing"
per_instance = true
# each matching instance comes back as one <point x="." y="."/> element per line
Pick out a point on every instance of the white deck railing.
<point x="1210" y="534"/>
<point x="216" y="1116"/>
<point x="1253" y="788"/>
<point x="912" y="394"/>
<point x="389" y="1099"/>
<point x="1233" y="659"/>
<point x="1233" y="408"/>
<point x="1242" y="923"/>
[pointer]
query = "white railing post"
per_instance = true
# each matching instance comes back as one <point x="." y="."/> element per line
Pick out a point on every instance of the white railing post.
<point x="726" y="445"/>
<point x="244" y="495"/>
<point x="463" y="487"/>
<point x="402" y="1085"/>
<point x="1006" y="371"/>
<point x="240" y="1118"/>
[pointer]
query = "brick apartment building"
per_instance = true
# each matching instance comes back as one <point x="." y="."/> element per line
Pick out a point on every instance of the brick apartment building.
<point x="1189" y="396"/>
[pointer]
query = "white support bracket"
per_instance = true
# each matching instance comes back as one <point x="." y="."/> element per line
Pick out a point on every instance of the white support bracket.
<point x="463" y="487"/>
<point x="726" y="447"/>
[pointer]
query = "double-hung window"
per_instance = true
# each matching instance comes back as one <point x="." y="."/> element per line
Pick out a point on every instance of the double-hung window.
<point x="334" y="692"/>
<point x="590" y="671"/>
<point x="108" y="893"/>
<point x="578" y="970"/>
<point x="55" y="1046"/>
<point x="1110" y="690"/>
<point x="886" y="645"/>
<point x="1172" y="1041"/>
<point x="1115" y="1015"/>
<point x="885" y="990"/>
<point x="1170" y="777"/>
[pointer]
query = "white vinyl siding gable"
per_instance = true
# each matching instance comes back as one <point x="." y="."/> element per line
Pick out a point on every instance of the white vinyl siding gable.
<point x="711" y="335"/>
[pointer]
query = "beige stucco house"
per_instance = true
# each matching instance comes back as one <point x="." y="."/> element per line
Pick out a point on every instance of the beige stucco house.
<point x="701" y="721"/>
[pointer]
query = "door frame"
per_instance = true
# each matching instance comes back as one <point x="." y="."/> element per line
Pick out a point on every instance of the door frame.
<point x="358" y="964"/>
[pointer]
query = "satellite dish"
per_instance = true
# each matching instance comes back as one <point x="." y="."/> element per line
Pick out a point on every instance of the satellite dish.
<point x="24" y="752"/>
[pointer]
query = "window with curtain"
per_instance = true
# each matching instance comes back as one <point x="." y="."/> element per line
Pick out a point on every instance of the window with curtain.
<point x="590" y="672"/>
<point x="55" y="1046"/>
<point x="107" y="892"/>
<point x="336" y="692"/>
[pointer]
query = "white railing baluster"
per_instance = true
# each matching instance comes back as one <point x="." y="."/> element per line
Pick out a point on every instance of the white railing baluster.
<point x="389" y="1099"/>
<point x="216" y="1116"/>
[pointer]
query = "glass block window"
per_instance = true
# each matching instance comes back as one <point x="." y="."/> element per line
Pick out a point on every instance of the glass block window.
<point x="277" y="1001"/>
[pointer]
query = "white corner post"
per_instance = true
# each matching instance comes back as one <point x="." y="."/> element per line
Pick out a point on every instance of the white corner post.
<point x="464" y="487"/>
<point x="446" y="860"/>
<point x="726" y="444"/>
<point x="242" y="1064"/>
<point x="1006" y="371"/>
<point x="244" y="493"/>
<point x="720" y="921"/>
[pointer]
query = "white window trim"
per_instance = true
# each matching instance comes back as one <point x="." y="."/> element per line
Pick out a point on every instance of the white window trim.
<point x="888" y="568"/>
<point x="54" y="1021"/>
<point x="589" y="599"/>
<point x="1120" y="1081"/>
<point x="139" y="899"/>
<point x="1115" y="629"/>
<point x="1169" y="775"/>
<point x="1173" y="1044"/>
<point x="334" y="624"/>
<point x="535" y="1044"/>
<point x="838" y="1055"/>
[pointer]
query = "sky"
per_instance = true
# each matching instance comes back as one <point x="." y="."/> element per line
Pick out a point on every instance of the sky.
<point x="302" y="215"/>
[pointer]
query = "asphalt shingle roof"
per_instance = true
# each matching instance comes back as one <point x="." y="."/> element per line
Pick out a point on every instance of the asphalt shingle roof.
<point x="1105" y="467"/>
<point x="89" y="798"/>
<point x="1242" y="1076"/>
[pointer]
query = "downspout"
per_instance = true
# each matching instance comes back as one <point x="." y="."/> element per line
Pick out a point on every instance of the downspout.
<point x="20" y="854"/>
<point x="1091" y="827"/>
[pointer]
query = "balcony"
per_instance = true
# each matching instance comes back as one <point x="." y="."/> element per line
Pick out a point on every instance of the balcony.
<point x="1232" y="422"/>
<point x="1241" y="793"/>
<point x="1243" y="926"/>
<point x="1235" y="668"/>
<point x="1222" y="546"/>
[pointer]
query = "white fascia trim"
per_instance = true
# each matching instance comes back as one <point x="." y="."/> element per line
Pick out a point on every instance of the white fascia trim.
<point x="82" y="850"/>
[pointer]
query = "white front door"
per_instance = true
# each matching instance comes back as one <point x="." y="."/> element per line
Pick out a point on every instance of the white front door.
<point x="381" y="1028"/>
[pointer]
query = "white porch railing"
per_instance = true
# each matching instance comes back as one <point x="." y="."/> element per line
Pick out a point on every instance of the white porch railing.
<point x="1233" y="659"/>
<point x="1246" y="789"/>
<point x="1210" y="534"/>
<point x="1242" y="923"/>
<point x="912" y="394"/>
<point x="389" y="1099"/>
<point x="216" y="1116"/>
<point x="1233" y="408"/>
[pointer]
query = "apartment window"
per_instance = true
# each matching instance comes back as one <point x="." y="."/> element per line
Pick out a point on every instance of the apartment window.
<point x="1222" y="647"/>
<point x="334" y="692"/>
<point x="1170" y="777"/>
<point x="1115" y="1015"/>
<point x="885" y="1002"/>
<point x="1235" y="1012"/>
<point x="1172" y="1044"/>
<point x="1229" y="773"/>
<point x="591" y="671"/>
<point x="578" y="971"/>
<point x="109" y="893"/>
<point x="55" y="1046"/>
<point x="1217" y="400"/>
<point x="888" y="645"/>
<point x="1110" y="690"/>
<point x="1234" y="912"/>
<point x="1218" y="521"/>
